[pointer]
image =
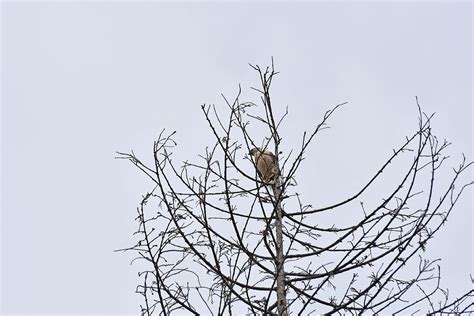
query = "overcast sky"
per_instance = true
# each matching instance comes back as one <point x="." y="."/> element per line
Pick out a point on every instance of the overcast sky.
<point x="82" y="80"/>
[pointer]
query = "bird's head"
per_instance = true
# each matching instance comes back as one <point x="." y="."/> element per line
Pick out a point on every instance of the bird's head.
<point x="254" y="151"/>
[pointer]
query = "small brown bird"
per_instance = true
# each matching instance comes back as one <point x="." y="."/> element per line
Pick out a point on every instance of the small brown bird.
<point x="266" y="165"/>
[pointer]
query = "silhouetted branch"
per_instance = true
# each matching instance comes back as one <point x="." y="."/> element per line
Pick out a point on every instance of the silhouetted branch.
<point x="215" y="237"/>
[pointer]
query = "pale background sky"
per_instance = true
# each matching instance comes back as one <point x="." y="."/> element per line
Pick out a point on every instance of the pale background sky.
<point x="82" y="80"/>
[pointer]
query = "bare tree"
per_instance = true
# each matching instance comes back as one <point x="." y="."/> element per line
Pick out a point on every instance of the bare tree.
<point x="215" y="238"/>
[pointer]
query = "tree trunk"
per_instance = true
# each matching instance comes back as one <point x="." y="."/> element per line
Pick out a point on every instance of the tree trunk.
<point x="280" y="258"/>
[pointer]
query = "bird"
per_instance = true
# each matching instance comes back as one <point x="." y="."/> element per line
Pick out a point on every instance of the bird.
<point x="267" y="168"/>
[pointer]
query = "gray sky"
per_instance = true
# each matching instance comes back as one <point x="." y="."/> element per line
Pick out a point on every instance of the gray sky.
<point x="82" y="80"/>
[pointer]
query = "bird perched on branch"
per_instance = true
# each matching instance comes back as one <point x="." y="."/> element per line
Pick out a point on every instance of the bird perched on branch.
<point x="265" y="162"/>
